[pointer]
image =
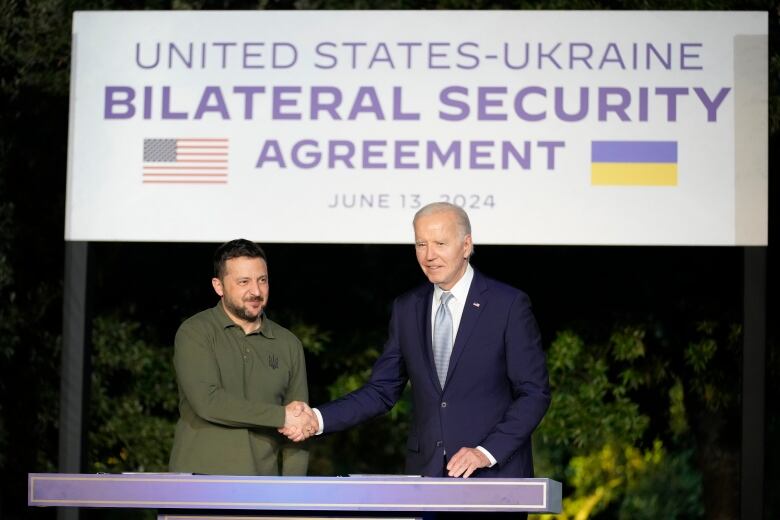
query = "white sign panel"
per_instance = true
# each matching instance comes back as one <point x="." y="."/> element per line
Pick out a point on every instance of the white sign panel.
<point x="548" y="127"/>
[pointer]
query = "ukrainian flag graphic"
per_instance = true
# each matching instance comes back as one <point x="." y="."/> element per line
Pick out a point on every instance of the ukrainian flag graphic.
<point x="633" y="163"/>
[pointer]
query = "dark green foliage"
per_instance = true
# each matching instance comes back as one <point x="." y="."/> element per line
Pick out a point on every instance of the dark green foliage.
<point x="8" y="318"/>
<point x="589" y="408"/>
<point x="133" y="399"/>
<point x="642" y="427"/>
<point x="668" y="488"/>
<point x="29" y="373"/>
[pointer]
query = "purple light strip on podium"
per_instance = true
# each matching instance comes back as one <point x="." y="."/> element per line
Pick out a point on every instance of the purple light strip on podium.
<point x="364" y="493"/>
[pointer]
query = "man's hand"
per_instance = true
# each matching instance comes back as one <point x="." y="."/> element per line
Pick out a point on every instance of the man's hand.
<point x="466" y="462"/>
<point x="300" y="423"/>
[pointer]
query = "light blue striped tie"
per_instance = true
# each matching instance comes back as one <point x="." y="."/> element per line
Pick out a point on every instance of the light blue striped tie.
<point x="442" y="337"/>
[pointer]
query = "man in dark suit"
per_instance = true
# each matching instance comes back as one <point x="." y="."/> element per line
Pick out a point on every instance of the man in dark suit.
<point x="471" y="347"/>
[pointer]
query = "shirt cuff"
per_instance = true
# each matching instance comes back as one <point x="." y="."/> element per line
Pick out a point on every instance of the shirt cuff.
<point x="322" y="424"/>
<point x="490" y="457"/>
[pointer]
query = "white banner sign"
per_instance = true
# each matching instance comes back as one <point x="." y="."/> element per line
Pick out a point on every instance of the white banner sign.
<point x="335" y="126"/>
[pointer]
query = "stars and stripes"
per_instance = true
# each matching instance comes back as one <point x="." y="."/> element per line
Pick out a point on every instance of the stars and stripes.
<point x="185" y="161"/>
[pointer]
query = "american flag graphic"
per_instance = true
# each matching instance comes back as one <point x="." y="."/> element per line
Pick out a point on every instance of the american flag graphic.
<point x="185" y="161"/>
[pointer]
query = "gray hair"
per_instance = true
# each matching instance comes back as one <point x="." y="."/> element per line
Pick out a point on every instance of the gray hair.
<point x="462" y="219"/>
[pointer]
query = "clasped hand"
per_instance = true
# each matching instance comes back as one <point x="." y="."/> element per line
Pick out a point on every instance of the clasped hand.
<point x="300" y="423"/>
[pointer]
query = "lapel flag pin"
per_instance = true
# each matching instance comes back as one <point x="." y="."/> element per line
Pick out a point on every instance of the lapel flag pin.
<point x="475" y="304"/>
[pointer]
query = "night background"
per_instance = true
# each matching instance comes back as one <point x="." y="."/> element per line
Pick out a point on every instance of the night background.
<point x="643" y="343"/>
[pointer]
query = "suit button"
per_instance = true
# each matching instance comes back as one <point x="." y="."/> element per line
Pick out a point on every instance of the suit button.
<point x="439" y="444"/>
<point x="444" y="404"/>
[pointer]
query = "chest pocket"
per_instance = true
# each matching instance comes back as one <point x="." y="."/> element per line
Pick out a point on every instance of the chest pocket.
<point x="267" y="373"/>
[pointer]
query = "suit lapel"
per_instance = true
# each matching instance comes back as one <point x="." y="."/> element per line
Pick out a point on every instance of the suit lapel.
<point x="423" y="312"/>
<point x="475" y="304"/>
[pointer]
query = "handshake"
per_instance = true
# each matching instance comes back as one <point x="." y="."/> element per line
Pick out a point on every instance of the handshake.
<point x="300" y="422"/>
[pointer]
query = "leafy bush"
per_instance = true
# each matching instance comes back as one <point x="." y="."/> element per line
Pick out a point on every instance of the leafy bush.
<point x="133" y="399"/>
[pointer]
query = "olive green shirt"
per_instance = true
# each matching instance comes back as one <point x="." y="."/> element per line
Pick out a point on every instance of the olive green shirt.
<point x="232" y="391"/>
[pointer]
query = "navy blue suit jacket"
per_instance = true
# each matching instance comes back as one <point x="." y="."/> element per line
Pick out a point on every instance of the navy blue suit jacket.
<point x="495" y="394"/>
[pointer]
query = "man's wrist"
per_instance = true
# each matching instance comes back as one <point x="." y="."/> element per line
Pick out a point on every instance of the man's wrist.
<point x="319" y="421"/>
<point x="487" y="454"/>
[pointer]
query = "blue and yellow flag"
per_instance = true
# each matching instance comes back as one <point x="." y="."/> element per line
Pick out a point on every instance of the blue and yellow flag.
<point x="633" y="163"/>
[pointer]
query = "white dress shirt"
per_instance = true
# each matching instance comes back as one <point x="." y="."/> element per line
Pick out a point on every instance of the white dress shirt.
<point x="460" y="292"/>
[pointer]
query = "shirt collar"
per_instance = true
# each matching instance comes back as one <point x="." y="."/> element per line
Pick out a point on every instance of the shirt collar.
<point x="266" y="330"/>
<point x="460" y="290"/>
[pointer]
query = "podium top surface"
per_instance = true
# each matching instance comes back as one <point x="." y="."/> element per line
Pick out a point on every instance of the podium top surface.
<point x="354" y="493"/>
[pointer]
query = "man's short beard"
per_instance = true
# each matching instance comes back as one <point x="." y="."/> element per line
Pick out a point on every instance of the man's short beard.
<point x="241" y="311"/>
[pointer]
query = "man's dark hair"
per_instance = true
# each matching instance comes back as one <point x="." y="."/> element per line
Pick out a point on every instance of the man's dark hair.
<point x="234" y="249"/>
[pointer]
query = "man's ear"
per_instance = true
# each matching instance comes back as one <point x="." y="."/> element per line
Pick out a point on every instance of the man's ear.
<point x="468" y="246"/>
<point x="216" y="283"/>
